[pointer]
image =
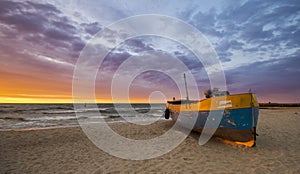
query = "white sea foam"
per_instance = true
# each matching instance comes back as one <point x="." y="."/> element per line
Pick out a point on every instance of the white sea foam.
<point x="59" y="115"/>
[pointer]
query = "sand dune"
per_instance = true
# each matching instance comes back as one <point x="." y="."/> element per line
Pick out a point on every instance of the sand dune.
<point x="68" y="150"/>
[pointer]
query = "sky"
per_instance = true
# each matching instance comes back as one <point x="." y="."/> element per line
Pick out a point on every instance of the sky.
<point x="257" y="43"/>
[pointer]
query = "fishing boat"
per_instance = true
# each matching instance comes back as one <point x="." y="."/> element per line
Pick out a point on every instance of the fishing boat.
<point x="238" y="115"/>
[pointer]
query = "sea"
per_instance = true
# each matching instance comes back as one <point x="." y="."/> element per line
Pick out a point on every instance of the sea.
<point x="41" y="116"/>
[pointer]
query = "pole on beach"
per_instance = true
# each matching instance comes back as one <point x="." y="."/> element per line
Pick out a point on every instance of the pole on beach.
<point x="187" y="94"/>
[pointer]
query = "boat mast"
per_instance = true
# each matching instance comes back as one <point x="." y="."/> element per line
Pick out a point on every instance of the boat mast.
<point x="187" y="94"/>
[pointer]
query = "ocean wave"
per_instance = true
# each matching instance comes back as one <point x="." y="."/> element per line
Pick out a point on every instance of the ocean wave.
<point x="42" y="115"/>
<point x="49" y="118"/>
<point x="83" y="110"/>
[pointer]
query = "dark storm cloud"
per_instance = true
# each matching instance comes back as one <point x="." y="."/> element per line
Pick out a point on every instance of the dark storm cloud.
<point x="138" y="45"/>
<point x="26" y="16"/>
<point x="78" y="45"/>
<point x="280" y="15"/>
<point x="58" y="34"/>
<point x="91" y="28"/>
<point x="123" y="51"/>
<point x="25" y="22"/>
<point x="224" y="56"/>
<point x="279" y="75"/>
<point x="260" y="28"/>
<point x="154" y="77"/>
<point x="227" y="44"/>
<point x="9" y="6"/>
<point x="189" y="59"/>
<point x="272" y="25"/>
<point x="43" y="25"/>
<point x="205" y="22"/>
<point x="268" y="30"/>
<point x="240" y="13"/>
<point x="46" y="8"/>
<point x="255" y="33"/>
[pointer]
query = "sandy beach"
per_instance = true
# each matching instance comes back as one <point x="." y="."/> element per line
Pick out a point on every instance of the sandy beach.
<point x="68" y="150"/>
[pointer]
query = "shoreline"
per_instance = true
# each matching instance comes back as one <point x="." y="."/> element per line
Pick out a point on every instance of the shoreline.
<point x="280" y="108"/>
<point x="75" y="126"/>
<point x="38" y="128"/>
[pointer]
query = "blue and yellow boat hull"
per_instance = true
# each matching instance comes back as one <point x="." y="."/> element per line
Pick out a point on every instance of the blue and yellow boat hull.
<point x="239" y="116"/>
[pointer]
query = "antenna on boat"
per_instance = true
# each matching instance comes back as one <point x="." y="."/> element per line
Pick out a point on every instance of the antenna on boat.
<point x="187" y="93"/>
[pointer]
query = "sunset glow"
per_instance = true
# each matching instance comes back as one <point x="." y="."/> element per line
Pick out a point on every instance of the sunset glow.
<point x="41" y="42"/>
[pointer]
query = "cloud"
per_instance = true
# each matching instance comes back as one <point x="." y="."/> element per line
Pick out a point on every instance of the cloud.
<point x="39" y="46"/>
<point x="268" y="28"/>
<point x="27" y="16"/>
<point x="206" y="22"/>
<point x="257" y="43"/>
<point x="274" y="22"/>
<point x="255" y="40"/>
<point x="44" y="25"/>
<point x="91" y="28"/>
<point x="52" y="60"/>
<point x="277" y="76"/>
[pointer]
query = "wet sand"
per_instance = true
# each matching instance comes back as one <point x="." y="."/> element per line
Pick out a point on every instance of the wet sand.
<point x="68" y="150"/>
